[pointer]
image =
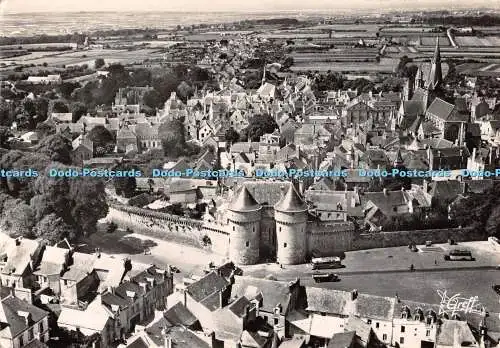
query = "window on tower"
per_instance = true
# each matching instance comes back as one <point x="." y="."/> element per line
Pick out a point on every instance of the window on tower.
<point x="247" y="244"/>
<point x="284" y="245"/>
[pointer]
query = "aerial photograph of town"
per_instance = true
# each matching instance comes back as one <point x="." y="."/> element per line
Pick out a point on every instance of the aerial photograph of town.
<point x="266" y="174"/>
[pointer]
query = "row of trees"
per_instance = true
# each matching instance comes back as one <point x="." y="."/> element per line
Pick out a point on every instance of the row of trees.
<point x="47" y="207"/>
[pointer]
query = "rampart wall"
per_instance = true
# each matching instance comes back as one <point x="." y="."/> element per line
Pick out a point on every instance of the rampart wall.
<point x="401" y="238"/>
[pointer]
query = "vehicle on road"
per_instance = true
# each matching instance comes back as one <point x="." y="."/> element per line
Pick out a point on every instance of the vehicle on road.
<point x="325" y="277"/>
<point x="326" y="262"/>
<point x="496" y="288"/>
<point x="459" y="255"/>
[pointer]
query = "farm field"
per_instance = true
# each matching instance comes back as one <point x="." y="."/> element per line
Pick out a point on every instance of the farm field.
<point x="487" y="41"/>
<point x="86" y="57"/>
<point x="344" y="66"/>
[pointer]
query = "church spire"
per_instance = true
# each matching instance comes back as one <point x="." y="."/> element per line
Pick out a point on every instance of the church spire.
<point x="436" y="74"/>
<point x="264" y="76"/>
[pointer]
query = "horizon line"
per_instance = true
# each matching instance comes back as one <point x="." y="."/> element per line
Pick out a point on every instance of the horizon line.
<point x="323" y="10"/>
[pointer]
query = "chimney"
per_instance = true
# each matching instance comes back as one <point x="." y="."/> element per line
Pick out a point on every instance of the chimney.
<point x="425" y="186"/>
<point x="354" y="295"/>
<point x="385" y="192"/>
<point x="168" y="342"/>
<point x="18" y="241"/>
<point x="221" y="299"/>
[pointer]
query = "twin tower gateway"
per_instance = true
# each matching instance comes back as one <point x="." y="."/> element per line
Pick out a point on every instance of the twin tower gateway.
<point x="245" y="216"/>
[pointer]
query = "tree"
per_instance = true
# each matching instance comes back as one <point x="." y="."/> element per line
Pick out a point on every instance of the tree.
<point x="172" y="138"/>
<point x="5" y="134"/>
<point x="88" y="204"/>
<point x="57" y="106"/>
<point x="80" y="203"/>
<point x="56" y="147"/>
<point x="17" y="218"/>
<point x="7" y="115"/>
<point x="53" y="229"/>
<point x="153" y="99"/>
<point x="99" y="63"/>
<point x="67" y="88"/>
<point x="184" y="91"/>
<point x="124" y="186"/>
<point x="78" y="110"/>
<point x="260" y="125"/>
<point x="44" y="129"/>
<point x="492" y="226"/>
<point x="102" y="138"/>
<point x="231" y="135"/>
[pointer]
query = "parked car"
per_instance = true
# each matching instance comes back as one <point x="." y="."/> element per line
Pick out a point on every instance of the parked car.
<point x="496" y="288"/>
<point x="325" y="277"/>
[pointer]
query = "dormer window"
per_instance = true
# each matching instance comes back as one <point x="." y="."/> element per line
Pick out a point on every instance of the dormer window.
<point x="131" y="294"/>
<point x="277" y="309"/>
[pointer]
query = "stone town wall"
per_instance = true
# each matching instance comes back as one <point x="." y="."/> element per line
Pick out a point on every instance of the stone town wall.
<point x="169" y="227"/>
<point x="329" y="240"/>
<point x="401" y="238"/>
<point x="157" y="225"/>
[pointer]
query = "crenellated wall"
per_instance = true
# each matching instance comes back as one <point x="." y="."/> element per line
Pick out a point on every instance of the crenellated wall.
<point x="171" y="227"/>
<point x="157" y="225"/>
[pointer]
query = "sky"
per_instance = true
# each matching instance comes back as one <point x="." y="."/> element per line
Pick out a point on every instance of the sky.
<point x="23" y="6"/>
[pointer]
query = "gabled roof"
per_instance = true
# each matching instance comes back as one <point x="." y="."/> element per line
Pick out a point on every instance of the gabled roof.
<point x="342" y="340"/>
<point x="442" y="110"/>
<point x="178" y="314"/>
<point x="273" y="292"/>
<point x="455" y="332"/>
<point x="19" y="256"/>
<point x="11" y="323"/>
<point x="206" y="286"/>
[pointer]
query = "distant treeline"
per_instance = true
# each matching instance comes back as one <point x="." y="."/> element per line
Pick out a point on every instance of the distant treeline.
<point x="78" y="38"/>
<point x="41" y="39"/>
<point x="484" y="20"/>
<point x="272" y="21"/>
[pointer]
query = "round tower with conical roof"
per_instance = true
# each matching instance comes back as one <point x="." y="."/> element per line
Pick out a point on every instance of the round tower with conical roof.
<point x="290" y="214"/>
<point x="244" y="216"/>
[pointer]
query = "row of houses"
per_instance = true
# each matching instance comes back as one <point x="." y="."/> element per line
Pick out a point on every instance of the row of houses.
<point x="55" y="291"/>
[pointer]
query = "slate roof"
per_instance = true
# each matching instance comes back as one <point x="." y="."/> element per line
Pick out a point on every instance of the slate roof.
<point x="238" y="307"/>
<point x="446" y="336"/>
<point x="36" y="344"/>
<point x="296" y="342"/>
<point x="291" y="202"/>
<point x="94" y="317"/>
<point x="445" y="111"/>
<point x="206" y="286"/>
<point x="252" y="339"/>
<point x="342" y="340"/>
<point x="243" y="201"/>
<point x="386" y="202"/>
<point x="82" y="265"/>
<point x="362" y="329"/>
<point x="53" y="260"/>
<point x="19" y="256"/>
<point x="413" y="108"/>
<point x="446" y="190"/>
<point x="274" y="292"/>
<point x="340" y="303"/>
<point x="181" y="337"/>
<point x="11" y="323"/>
<point x="178" y="314"/>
